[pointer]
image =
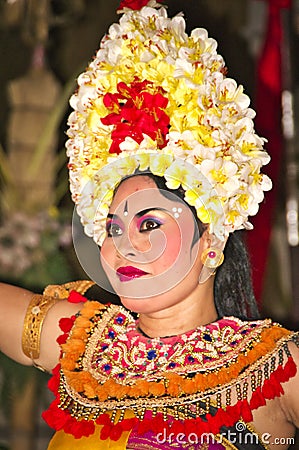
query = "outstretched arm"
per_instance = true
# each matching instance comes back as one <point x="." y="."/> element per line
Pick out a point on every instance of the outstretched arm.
<point x="14" y="302"/>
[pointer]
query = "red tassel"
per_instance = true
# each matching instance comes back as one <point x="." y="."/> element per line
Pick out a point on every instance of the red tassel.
<point x="66" y="323"/>
<point x="105" y="432"/>
<point x="279" y="374"/>
<point x="144" y="426"/>
<point x="79" y="428"/>
<point x="75" y="297"/>
<point x="257" y="399"/>
<point x="177" y="427"/>
<point x="53" y="383"/>
<point x="62" y="338"/>
<point x="193" y="426"/>
<point x="116" y="432"/>
<point x="55" y="417"/>
<point x="233" y="412"/>
<point x="268" y="390"/>
<point x="246" y="411"/>
<point x="129" y="424"/>
<point x="104" y="419"/>
<point x="218" y="421"/>
<point x="276" y="385"/>
<point x="290" y="369"/>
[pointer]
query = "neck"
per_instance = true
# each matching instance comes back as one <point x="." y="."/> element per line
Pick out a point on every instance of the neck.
<point x="196" y="310"/>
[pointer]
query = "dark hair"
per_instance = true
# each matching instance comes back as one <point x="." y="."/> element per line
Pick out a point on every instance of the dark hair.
<point x="233" y="292"/>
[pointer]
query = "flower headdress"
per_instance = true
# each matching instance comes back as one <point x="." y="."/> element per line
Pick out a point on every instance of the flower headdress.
<point x="156" y="99"/>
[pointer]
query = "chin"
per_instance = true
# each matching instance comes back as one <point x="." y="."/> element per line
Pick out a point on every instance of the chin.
<point x="144" y="305"/>
<point x="139" y="305"/>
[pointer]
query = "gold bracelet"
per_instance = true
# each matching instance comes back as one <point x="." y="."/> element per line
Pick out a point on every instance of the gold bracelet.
<point x="37" y="311"/>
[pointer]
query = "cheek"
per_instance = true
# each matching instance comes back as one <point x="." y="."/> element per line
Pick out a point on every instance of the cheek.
<point x="172" y="249"/>
<point x="107" y="252"/>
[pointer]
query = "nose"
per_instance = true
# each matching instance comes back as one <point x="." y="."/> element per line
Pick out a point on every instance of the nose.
<point x="132" y="246"/>
<point x="125" y="247"/>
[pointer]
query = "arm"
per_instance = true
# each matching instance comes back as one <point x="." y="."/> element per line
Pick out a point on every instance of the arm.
<point x="13" y="305"/>
<point x="291" y="390"/>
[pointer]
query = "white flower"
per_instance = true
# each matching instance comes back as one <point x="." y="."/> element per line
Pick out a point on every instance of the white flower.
<point x="222" y="174"/>
<point x="229" y="91"/>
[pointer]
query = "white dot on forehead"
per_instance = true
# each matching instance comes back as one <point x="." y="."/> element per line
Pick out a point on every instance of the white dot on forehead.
<point x="126" y="208"/>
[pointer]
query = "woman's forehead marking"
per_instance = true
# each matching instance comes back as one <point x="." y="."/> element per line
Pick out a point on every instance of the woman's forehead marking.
<point x="126" y="212"/>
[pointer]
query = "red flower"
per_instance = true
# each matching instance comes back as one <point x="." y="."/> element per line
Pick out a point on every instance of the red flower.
<point x="133" y="4"/>
<point x="136" y="110"/>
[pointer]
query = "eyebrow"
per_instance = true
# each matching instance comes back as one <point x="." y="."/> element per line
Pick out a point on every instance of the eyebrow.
<point x="139" y="214"/>
<point x="145" y="211"/>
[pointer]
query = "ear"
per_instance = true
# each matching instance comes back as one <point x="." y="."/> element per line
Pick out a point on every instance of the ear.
<point x="210" y="241"/>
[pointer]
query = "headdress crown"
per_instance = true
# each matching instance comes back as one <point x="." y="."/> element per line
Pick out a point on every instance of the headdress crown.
<point x="155" y="98"/>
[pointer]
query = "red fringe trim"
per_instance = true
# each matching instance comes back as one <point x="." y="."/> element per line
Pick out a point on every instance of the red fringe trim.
<point x="62" y="420"/>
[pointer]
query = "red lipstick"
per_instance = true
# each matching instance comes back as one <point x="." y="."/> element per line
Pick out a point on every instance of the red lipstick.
<point x="128" y="273"/>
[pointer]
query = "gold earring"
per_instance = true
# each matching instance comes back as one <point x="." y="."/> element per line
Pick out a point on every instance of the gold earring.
<point x="212" y="258"/>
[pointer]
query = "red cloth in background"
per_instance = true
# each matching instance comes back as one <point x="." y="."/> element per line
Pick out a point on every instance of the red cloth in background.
<point x="268" y="125"/>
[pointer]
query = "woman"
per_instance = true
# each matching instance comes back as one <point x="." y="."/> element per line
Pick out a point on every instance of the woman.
<point x="164" y="168"/>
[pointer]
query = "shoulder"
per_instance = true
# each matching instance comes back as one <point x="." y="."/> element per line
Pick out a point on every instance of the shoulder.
<point x="290" y="399"/>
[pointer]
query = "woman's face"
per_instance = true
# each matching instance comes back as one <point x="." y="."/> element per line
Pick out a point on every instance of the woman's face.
<point x="148" y="254"/>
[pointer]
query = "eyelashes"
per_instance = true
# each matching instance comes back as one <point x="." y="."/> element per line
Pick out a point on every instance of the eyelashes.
<point x="145" y="223"/>
<point x="148" y="223"/>
<point x="114" y="228"/>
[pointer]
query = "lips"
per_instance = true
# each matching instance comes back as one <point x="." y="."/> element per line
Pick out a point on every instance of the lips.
<point x="129" y="273"/>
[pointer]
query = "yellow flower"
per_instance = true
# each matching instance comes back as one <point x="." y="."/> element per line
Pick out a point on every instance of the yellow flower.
<point x="175" y="175"/>
<point x="159" y="163"/>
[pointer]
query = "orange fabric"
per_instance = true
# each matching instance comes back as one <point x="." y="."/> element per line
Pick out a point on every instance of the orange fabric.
<point x="63" y="441"/>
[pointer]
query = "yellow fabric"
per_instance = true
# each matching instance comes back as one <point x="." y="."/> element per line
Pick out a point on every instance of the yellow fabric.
<point x="63" y="441"/>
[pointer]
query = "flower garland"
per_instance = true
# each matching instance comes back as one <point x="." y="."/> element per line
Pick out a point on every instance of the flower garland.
<point x="157" y="99"/>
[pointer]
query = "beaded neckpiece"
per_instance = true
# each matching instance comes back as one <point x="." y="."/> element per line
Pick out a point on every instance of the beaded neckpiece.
<point x="117" y="349"/>
<point x="109" y="369"/>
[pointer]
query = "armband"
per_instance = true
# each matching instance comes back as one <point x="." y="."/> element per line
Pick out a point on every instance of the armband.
<point x="35" y="315"/>
<point x="38" y="309"/>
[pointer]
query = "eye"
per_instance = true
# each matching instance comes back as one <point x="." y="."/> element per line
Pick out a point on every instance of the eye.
<point x="113" y="229"/>
<point x="149" y="224"/>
